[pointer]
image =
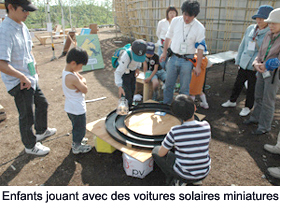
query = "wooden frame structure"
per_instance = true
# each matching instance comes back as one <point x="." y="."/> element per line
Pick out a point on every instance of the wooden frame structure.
<point x="225" y="20"/>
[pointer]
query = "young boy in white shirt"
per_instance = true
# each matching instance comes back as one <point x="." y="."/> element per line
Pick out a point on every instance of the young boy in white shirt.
<point x="74" y="88"/>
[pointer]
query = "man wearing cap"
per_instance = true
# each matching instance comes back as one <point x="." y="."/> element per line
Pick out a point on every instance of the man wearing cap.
<point x="185" y="36"/>
<point x="247" y="52"/>
<point x="128" y="69"/>
<point x="19" y="74"/>
<point x="152" y="69"/>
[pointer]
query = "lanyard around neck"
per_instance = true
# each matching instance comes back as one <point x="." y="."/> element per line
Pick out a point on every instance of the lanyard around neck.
<point x="255" y="33"/>
<point x="184" y="39"/>
<point x="271" y="42"/>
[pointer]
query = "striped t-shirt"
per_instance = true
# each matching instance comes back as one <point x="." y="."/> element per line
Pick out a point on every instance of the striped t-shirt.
<point x="191" y="143"/>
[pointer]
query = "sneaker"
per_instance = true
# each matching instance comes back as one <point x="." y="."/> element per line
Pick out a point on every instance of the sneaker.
<point x="197" y="183"/>
<point x="245" y="111"/>
<point x="204" y="105"/>
<point x="83" y="148"/>
<point x="229" y="104"/>
<point x="274" y="172"/>
<point x="249" y="122"/>
<point x="259" y="132"/>
<point x="177" y="182"/>
<point x="47" y="133"/>
<point x="38" y="149"/>
<point x="272" y="148"/>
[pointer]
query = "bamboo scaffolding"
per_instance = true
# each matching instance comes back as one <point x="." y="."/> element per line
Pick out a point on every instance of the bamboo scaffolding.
<point x="225" y="20"/>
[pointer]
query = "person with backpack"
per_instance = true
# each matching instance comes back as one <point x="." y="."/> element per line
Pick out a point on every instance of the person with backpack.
<point x="129" y="63"/>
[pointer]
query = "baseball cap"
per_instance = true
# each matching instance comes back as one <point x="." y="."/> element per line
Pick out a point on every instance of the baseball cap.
<point x="138" y="50"/>
<point x="150" y="48"/>
<point x="25" y="4"/>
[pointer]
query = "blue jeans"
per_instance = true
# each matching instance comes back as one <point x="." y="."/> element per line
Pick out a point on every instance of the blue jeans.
<point x="24" y="101"/>
<point x="160" y="74"/>
<point x="177" y="66"/>
<point x="79" y="127"/>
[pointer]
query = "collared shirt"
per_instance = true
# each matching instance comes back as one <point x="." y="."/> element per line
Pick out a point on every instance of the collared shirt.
<point x="162" y="29"/>
<point x="179" y="31"/>
<point x="274" y="52"/>
<point x="125" y="66"/>
<point x="16" y="46"/>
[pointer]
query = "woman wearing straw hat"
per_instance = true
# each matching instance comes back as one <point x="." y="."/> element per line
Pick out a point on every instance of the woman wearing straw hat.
<point x="247" y="52"/>
<point x="162" y="28"/>
<point x="267" y="64"/>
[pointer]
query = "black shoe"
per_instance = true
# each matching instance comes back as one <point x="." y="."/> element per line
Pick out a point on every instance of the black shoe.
<point x="258" y="132"/>
<point x="249" y="122"/>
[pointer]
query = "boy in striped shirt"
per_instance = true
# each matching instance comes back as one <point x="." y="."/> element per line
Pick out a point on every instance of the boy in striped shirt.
<point x="190" y="161"/>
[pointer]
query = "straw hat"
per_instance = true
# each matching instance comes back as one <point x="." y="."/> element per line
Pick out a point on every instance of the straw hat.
<point x="274" y="16"/>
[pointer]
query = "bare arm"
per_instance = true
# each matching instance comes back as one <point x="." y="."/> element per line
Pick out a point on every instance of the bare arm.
<point x="74" y="82"/>
<point x="166" y="45"/>
<point x="162" y="151"/>
<point x="197" y="69"/>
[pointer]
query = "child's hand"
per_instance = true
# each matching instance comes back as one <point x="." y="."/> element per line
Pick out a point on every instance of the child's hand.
<point x="147" y="80"/>
<point x="121" y="92"/>
<point x="136" y="72"/>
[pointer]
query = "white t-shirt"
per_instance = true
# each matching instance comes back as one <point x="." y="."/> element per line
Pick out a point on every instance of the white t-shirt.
<point x="180" y="32"/>
<point x="74" y="101"/>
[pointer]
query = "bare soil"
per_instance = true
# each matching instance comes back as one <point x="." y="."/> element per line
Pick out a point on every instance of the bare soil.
<point x="238" y="157"/>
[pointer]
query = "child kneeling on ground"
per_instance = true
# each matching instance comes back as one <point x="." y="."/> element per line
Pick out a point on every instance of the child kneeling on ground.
<point x="74" y="88"/>
<point x="190" y="161"/>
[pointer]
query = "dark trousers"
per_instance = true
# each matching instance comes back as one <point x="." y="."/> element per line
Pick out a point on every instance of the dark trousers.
<point x="25" y="101"/>
<point x="79" y="127"/>
<point x="166" y="164"/>
<point x="129" y="83"/>
<point x="244" y="75"/>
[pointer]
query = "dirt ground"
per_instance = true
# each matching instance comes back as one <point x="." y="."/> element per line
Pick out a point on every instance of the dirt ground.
<point x="238" y="157"/>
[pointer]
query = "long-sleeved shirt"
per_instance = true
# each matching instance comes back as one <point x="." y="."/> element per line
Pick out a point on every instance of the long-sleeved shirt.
<point x="245" y="55"/>
<point x="274" y="51"/>
<point x="125" y="66"/>
<point x="162" y="29"/>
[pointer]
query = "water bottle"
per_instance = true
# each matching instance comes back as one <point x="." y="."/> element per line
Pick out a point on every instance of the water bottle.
<point x="122" y="108"/>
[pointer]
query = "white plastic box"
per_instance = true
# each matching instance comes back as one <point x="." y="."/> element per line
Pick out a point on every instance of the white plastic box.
<point x="136" y="168"/>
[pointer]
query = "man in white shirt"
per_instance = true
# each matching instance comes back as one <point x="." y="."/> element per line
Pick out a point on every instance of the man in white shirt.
<point x="184" y="36"/>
